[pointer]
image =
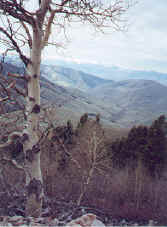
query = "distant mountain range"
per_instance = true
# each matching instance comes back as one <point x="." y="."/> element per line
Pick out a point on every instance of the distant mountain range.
<point x="120" y="103"/>
<point x="112" y="72"/>
<point x="68" y="77"/>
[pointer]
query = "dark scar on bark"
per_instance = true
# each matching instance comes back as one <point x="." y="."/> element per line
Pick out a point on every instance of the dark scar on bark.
<point x="25" y="117"/>
<point x="35" y="187"/>
<point x="36" y="148"/>
<point x="35" y="76"/>
<point x="29" y="155"/>
<point x="36" y="109"/>
<point x="32" y="99"/>
<point x="25" y="137"/>
<point x="17" y="149"/>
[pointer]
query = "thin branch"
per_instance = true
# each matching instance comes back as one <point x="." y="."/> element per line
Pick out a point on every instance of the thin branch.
<point x="4" y="99"/>
<point x="48" y="29"/>
<point x="15" y="45"/>
<point x="7" y="90"/>
<point x="13" y="162"/>
<point x="20" y="92"/>
<point x="15" y="10"/>
<point x="28" y="34"/>
<point x="41" y="13"/>
<point x="15" y="75"/>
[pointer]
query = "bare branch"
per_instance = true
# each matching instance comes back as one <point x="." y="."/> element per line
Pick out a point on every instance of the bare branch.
<point x="13" y="162"/>
<point x="15" y="45"/>
<point x="10" y="139"/>
<point x="48" y="29"/>
<point x="15" y="75"/>
<point x="4" y="99"/>
<point x="28" y="34"/>
<point x="20" y="92"/>
<point x="41" y="13"/>
<point x="16" y="10"/>
<point x="97" y="13"/>
<point x="7" y="89"/>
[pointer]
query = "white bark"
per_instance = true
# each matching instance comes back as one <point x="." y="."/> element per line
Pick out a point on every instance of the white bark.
<point x="33" y="168"/>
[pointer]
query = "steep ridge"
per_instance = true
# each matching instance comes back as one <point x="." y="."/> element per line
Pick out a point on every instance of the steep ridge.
<point x="71" y="103"/>
<point x="138" y="101"/>
<point x="71" y="78"/>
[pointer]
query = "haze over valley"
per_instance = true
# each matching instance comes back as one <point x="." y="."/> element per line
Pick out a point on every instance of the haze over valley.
<point x="134" y="99"/>
<point x="127" y="97"/>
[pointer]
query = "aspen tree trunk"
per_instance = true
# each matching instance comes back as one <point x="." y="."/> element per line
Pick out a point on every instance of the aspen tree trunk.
<point x="34" y="182"/>
<point x="85" y="185"/>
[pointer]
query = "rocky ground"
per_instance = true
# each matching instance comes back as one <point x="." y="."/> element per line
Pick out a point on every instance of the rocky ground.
<point x="55" y="212"/>
<point x="49" y="221"/>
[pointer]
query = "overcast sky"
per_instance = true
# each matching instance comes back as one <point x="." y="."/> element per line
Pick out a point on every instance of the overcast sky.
<point x="143" y="46"/>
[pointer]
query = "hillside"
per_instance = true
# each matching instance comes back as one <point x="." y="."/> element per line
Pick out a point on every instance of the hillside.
<point x="63" y="75"/>
<point x="68" y="77"/>
<point x="71" y="103"/>
<point x="119" y="103"/>
<point x="138" y="101"/>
